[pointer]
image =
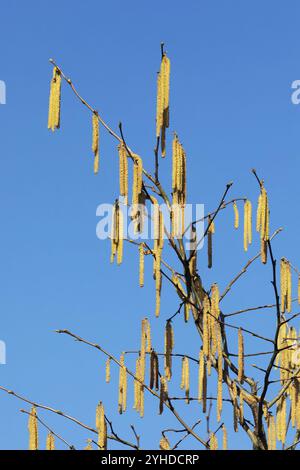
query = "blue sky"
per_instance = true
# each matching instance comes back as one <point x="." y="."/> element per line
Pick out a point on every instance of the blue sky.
<point x="233" y="64"/>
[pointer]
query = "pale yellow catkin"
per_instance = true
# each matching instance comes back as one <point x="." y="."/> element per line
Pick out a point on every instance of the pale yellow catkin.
<point x="236" y="215"/>
<point x="164" y="443"/>
<point x="122" y="400"/>
<point x="158" y="281"/>
<point x="185" y="378"/>
<point x="285" y="285"/>
<point x="215" y="312"/>
<point x="235" y="406"/>
<point x="247" y="224"/>
<point x="298" y="290"/>
<point x="281" y="419"/>
<point x="202" y="385"/>
<point x="141" y="265"/>
<point x="120" y="237"/>
<point x="178" y="188"/>
<point x="220" y="375"/>
<point x="213" y="442"/>
<point x="95" y="141"/>
<point x="50" y="443"/>
<point x="262" y="222"/>
<point x="137" y="386"/>
<point x="136" y="212"/>
<point x="210" y="232"/>
<point x="117" y="234"/>
<point x="163" y="393"/>
<point x="101" y="426"/>
<point x="33" y="430"/>
<point x="89" y="445"/>
<point x="54" y="100"/>
<point x="225" y="438"/>
<point x="162" y="102"/>
<point x="271" y="432"/>
<point x="169" y="345"/>
<point x="240" y="356"/>
<point x="206" y="326"/>
<point x="107" y="370"/>
<point x="123" y="171"/>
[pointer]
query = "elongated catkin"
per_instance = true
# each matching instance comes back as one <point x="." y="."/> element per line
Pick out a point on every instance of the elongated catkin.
<point x="240" y="356"/>
<point x="54" y="100"/>
<point x="123" y="171"/>
<point x="117" y="234"/>
<point x="95" y="141"/>
<point x="285" y="285"/>
<point x="247" y="224"/>
<point x="101" y="426"/>
<point x="225" y="439"/>
<point x="33" y="430"/>
<point x="263" y="222"/>
<point x="122" y="386"/>
<point x="202" y="385"/>
<point x="163" y="393"/>
<point x="50" y="442"/>
<point x="169" y="345"/>
<point x="271" y="433"/>
<point x="236" y="215"/>
<point x="213" y="442"/>
<point x="107" y="370"/>
<point x="141" y="265"/>
<point x="162" y="102"/>
<point x="154" y="369"/>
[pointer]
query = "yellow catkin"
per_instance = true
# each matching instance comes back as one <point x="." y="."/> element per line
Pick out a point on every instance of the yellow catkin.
<point x="122" y="386"/>
<point x="236" y="215"/>
<point x="107" y="370"/>
<point x="101" y="426"/>
<point x="285" y="285"/>
<point x="158" y="281"/>
<point x="141" y="265"/>
<point x="225" y="437"/>
<point x="137" y="386"/>
<point x="178" y="188"/>
<point x="281" y="419"/>
<point x="89" y="445"/>
<point x="163" y="393"/>
<point x="54" y="100"/>
<point x="136" y="213"/>
<point x="220" y="375"/>
<point x="169" y="345"/>
<point x="271" y="433"/>
<point x="247" y="224"/>
<point x="164" y="443"/>
<point x="120" y="237"/>
<point x="213" y="442"/>
<point x="95" y="141"/>
<point x="202" y="385"/>
<point x="185" y="377"/>
<point x="240" y="356"/>
<point x="162" y="102"/>
<point x="206" y="326"/>
<point x="154" y="370"/>
<point x="215" y="312"/>
<point x="262" y="222"/>
<point x="123" y="171"/>
<point x="50" y="443"/>
<point x="117" y="234"/>
<point x="235" y="406"/>
<point x="33" y="430"/>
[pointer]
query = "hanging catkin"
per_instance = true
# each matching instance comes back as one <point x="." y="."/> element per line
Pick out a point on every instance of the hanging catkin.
<point x="141" y="264"/>
<point x="240" y="356"/>
<point x="206" y="326"/>
<point x="162" y="104"/>
<point x="235" y="406"/>
<point x="163" y="393"/>
<point x="169" y="345"/>
<point x="107" y="370"/>
<point x="101" y="426"/>
<point x="95" y="141"/>
<point x="137" y="386"/>
<point x="50" y="443"/>
<point x="281" y="419"/>
<point x="215" y="312"/>
<point x="210" y="232"/>
<point x="137" y="212"/>
<point x="213" y="442"/>
<point x="33" y="430"/>
<point x="285" y="285"/>
<point x="236" y="215"/>
<point x="262" y="222"/>
<point x="271" y="432"/>
<point x="220" y="374"/>
<point x="225" y="439"/>
<point x="54" y="100"/>
<point x="117" y="234"/>
<point x="158" y="281"/>
<point x="247" y="224"/>
<point x="164" y="443"/>
<point x="154" y="370"/>
<point x="185" y="378"/>
<point x="123" y="171"/>
<point x="122" y="386"/>
<point x="202" y="381"/>
<point x="178" y="188"/>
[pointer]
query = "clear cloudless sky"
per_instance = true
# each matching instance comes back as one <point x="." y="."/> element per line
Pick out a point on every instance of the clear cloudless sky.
<point x="233" y="64"/>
